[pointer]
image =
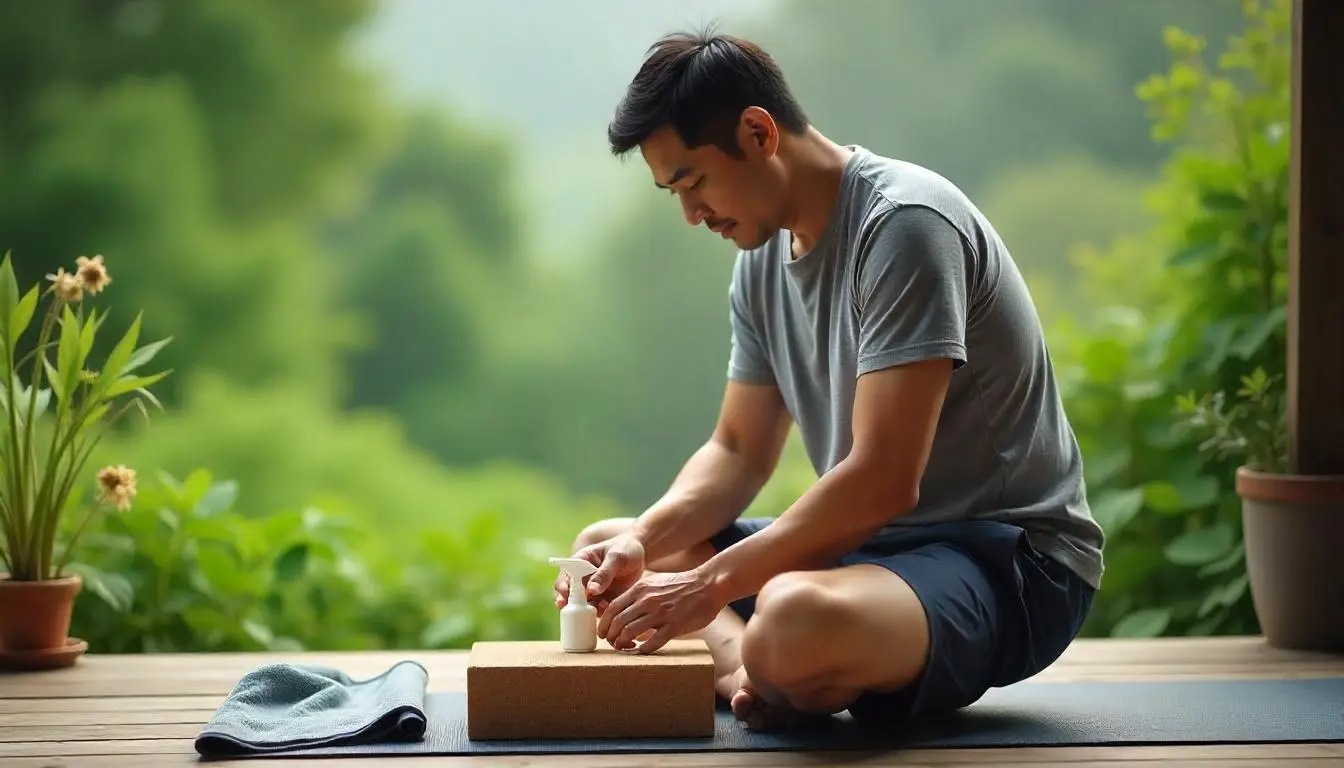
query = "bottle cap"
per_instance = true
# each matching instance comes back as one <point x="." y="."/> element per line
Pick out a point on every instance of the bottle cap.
<point x="577" y="569"/>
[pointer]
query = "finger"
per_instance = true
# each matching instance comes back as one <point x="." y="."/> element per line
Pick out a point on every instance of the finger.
<point x="614" y="607"/>
<point x="561" y="588"/>
<point x="607" y="568"/>
<point x="659" y="639"/>
<point x="621" y="618"/>
<point x="633" y="630"/>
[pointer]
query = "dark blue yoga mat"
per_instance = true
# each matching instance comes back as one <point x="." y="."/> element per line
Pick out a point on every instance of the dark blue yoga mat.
<point x="1024" y="715"/>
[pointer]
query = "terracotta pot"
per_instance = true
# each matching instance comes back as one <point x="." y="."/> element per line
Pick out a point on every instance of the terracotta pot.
<point x="35" y="615"/>
<point x="1294" y="535"/>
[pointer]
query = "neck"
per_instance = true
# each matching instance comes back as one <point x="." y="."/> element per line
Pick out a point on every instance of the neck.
<point x="814" y="165"/>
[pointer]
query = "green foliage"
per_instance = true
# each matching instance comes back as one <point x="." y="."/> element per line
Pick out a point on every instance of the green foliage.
<point x="1253" y="429"/>
<point x="200" y="137"/>
<point x="43" y="458"/>
<point x="1195" y="305"/>
<point x="320" y="252"/>
<point x="185" y="570"/>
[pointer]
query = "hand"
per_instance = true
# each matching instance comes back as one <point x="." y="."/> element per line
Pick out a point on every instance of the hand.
<point x="620" y="563"/>
<point x="668" y="604"/>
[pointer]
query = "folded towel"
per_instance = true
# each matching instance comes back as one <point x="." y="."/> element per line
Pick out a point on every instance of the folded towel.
<point x="282" y="707"/>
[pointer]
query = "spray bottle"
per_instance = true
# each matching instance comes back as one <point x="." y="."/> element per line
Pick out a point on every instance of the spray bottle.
<point x="578" y="619"/>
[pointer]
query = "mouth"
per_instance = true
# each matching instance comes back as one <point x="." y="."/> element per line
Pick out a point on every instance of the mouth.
<point x="723" y="228"/>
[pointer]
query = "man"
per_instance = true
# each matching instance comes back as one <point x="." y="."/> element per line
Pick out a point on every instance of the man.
<point x="948" y="546"/>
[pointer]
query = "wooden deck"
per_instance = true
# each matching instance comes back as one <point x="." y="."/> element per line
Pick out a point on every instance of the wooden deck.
<point x="144" y="711"/>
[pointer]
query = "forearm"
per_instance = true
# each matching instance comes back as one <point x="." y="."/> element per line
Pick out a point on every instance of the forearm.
<point x="837" y="514"/>
<point x="711" y="491"/>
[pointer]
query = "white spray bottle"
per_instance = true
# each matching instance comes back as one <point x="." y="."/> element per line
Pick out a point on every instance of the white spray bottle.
<point x="578" y="619"/>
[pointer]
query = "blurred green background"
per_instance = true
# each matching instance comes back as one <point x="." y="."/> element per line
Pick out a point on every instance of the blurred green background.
<point x="426" y="328"/>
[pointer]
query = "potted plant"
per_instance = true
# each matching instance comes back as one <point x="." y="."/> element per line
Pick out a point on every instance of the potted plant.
<point x="57" y="406"/>
<point x="1292" y="524"/>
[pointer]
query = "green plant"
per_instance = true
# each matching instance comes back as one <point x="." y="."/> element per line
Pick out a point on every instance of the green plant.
<point x="43" y="450"/>
<point x="1197" y="304"/>
<point x="1252" y="429"/>
<point x="188" y="570"/>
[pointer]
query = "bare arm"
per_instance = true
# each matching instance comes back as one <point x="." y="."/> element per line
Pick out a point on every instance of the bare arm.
<point x="895" y="417"/>
<point x="722" y="477"/>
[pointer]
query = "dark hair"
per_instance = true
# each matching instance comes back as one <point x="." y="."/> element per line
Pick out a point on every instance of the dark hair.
<point x="699" y="83"/>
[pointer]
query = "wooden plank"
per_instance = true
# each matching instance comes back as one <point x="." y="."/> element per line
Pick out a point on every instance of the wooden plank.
<point x="1316" y="241"/>
<point x="74" y="715"/>
<point x="24" y="734"/>
<point x="110" y="708"/>
<point x="114" y="704"/>
<point x="102" y="695"/>
<point x="201" y="676"/>
<point x="1298" y="755"/>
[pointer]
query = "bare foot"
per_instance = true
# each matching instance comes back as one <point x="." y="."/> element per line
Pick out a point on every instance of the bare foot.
<point x="756" y="711"/>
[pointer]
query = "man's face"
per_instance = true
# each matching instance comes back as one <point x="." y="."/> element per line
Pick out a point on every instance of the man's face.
<point x="736" y="198"/>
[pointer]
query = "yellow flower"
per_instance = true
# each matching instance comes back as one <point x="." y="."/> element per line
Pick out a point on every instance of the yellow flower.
<point x="92" y="273"/>
<point x="118" y="485"/>
<point x="68" y="287"/>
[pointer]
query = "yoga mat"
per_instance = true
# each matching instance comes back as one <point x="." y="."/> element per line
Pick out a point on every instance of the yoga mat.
<point x="1023" y="715"/>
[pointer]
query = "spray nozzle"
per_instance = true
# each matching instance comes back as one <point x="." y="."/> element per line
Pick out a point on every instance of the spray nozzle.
<point x="577" y="569"/>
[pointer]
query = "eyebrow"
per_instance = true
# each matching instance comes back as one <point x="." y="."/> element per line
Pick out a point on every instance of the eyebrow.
<point x="677" y="175"/>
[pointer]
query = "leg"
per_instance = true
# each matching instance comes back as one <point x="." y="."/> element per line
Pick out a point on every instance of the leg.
<point x="922" y="625"/>
<point x="810" y="645"/>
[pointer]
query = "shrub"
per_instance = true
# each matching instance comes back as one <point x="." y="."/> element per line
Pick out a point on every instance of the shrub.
<point x="1195" y="305"/>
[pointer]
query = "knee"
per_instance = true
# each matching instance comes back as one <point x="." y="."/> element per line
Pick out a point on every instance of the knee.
<point x="795" y="616"/>
<point x="601" y="531"/>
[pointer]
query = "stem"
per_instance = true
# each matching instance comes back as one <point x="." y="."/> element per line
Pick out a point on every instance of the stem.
<point x="81" y="455"/>
<point x="17" y="495"/>
<point x="29" y="458"/>
<point x="30" y="354"/>
<point x="51" y="493"/>
<point x="70" y="545"/>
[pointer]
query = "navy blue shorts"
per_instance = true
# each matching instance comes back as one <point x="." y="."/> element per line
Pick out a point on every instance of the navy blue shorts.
<point x="999" y="611"/>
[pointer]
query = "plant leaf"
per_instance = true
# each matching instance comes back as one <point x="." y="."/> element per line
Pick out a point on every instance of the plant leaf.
<point x="1224" y="595"/>
<point x="21" y="316"/>
<point x="53" y="379"/>
<point x="69" y="364"/>
<point x="1162" y="497"/>
<point x="131" y="383"/>
<point x="217" y="499"/>
<point x="1113" y="509"/>
<point x="1145" y="622"/>
<point x="113" y="588"/>
<point x="1251" y="339"/>
<point x="9" y="299"/>
<point x="144" y="354"/>
<point x="119" y="356"/>
<point x="292" y="563"/>
<point x="1223" y="564"/>
<point x="1201" y="546"/>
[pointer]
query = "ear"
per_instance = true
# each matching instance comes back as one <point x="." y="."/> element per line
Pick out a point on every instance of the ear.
<point x="757" y="132"/>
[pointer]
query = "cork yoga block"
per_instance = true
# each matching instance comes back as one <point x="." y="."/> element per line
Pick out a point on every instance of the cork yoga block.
<point x="535" y="690"/>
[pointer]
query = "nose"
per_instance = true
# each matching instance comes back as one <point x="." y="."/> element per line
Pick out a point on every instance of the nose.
<point x="692" y="210"/>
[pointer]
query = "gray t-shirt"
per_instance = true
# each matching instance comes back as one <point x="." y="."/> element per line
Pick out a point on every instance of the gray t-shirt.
<point x="909" y="269"/>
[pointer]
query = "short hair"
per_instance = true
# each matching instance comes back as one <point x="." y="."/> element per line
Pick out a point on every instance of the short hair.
<point x="699" y="83"/>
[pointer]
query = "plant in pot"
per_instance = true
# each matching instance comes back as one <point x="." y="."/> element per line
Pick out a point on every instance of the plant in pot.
<point x="57" y="406"/>
<point x="1292" y="524"/>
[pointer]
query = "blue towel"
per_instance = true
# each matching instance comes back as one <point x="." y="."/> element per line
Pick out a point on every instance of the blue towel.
<point x="292" y="706"/>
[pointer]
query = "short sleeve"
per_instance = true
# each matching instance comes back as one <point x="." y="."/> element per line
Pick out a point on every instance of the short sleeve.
<point x="747" y="362"/>
<point x="912" y="290"/>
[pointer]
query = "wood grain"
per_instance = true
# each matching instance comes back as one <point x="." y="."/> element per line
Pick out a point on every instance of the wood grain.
<point x="144" y="710"/>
